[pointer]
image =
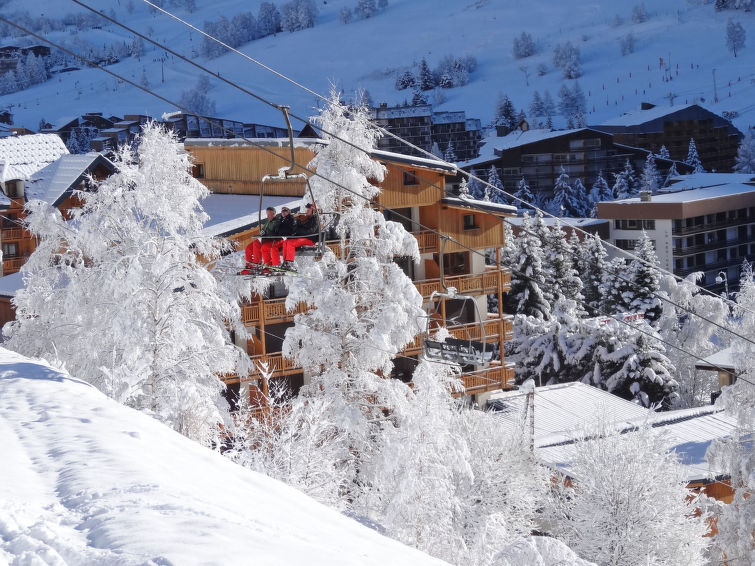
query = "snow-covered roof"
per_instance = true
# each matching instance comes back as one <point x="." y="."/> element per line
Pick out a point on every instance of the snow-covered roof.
<point x="401" y="111"/>
<point x="52" y="182"/>
<point x="231" y="214"/>
<point x="11" y="284"/>
<point x="96" y="482"/>
<point x="723" y="359"/>
<point x="692" y="195"/>
<point x="425" y="162"/>
<point x="561" y="410"/>
<point x="493" y="144"/>
<point x="450" y="117"/>
<point x="641" y="116"/>
<point x="690" y="432"/>
<point x="479" y="204"/>
<point x="703" y="180"/>
<point x="22" y="156"/>
<point x="564" y="221"/>
<point x="240" y="142"/>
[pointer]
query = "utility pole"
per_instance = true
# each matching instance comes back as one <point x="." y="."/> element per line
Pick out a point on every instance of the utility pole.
<point x="715" y="90"/>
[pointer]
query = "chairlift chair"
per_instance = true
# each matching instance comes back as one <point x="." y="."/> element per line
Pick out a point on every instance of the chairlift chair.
<point x="456" y="350"/>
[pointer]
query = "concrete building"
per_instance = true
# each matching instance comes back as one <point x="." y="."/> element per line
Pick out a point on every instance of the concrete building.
<point x="704" y="222"/>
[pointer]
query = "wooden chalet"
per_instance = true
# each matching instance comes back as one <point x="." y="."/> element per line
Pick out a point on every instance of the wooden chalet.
<point x="414" y="188"/>
<point x="53" y="183"/>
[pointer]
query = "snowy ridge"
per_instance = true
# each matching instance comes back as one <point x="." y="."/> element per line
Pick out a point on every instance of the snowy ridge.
<point x="85" y="480"/>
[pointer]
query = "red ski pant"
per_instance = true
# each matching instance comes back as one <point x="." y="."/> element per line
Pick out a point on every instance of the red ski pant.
<point x="260" y="252"/>
<point x="290" y="245"/>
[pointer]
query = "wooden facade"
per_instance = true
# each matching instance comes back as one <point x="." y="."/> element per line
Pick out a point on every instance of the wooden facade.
<point x="414" y="194"/>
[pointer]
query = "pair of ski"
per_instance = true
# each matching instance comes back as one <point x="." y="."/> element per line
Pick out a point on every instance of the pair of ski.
<point x="267" y="271"/>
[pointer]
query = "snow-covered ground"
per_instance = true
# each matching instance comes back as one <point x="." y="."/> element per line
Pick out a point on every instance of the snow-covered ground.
<point x="689" y="35"/>
<point x="84" y="480"/>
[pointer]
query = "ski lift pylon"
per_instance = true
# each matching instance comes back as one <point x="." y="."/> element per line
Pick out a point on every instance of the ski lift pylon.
<point x="457" y="350"/>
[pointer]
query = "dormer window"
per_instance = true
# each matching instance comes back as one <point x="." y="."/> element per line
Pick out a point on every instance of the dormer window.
<point x="14" y="189"/>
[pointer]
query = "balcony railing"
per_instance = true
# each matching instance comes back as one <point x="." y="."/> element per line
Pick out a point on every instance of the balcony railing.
<point x="469" y="331"/>
<point x="12" y="234"/>
<point x="473" y="284"/>
<point x="271" y="311"/>
<point x="13" y="263"/>
<point x="489" y="379"/>
<point x="711" y="226"/>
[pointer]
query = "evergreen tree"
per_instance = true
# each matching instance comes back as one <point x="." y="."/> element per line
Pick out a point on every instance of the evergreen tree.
<point x="649" y="180"/>
<point x="425" y="80"/>
<point x="549" y="109"/>
<point x="528" y="278"/>
<point x="582" y="204"/>
<point x="476" y="188"/>
<point x="405" y="80"/>
<point x="645" y="281"/>
<point x="537" y="107"/>
<point x="558" y="264"/>
<point x="591" y="264"/>
<point x="624" y="182"/>
<point x="464" y="189"/>
<point x="365" y="9"/>
<point x="663" y="153"/>
<point x="614" y="289"/>
<point x="435" y="150"/>
<point x="496" y="194"/>
<point x="693" y="159"/>
<point x="523" y="193"/>
<point x="450" y="154"/>
<point x="568" y="200"/>
<point x="524" y="46"/>
<point x="746" y="153"/>
<point x="418" y="98"/>
<point x="566" y="57"/>
<point x="735" y="36"/>
<point x="600" y="192"/>
<point x="505" y="114"/>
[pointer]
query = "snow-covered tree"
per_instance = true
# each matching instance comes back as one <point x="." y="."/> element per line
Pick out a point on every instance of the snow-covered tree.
<point x="120" y="297"/>
<point x="735" y="36"/>
<point x="625" y="183"/>
<point x="600" y="192"/>
<point x="435" y="150"/>
<point x="523" y="195"/>
<point x="685" y="333"/>
<point x="663" y="153"/>
<point x="345" y="15"/>
<point x="505" y="114"/>
<point x="645" y="280"/>
<point x="649" y="180"/>
<point x="425" y="79"/>
<point x="476" y="188"/>
<point x="418" y="97"/>
<point x="524" y="46"/>
<point x="746" y="153"/>
<point x="627" y="503"/>
<point x="559" y="266"/>
<point x="197" y="102"/>
<point x="298" y="443"/>
<point x="268" y="19"/>
<point x="496" y="193"/>
<point x="693" y="159"/>
<point x="365" y="309"/>
<point x="591" y="264"/>
<point x="450" y="155"/>
<point x="735" y="541"/>
<point x="567" y="58"/>
<point x="365" y="9"/>
<point x="297" y="15"/>
<point x="639" y="13"/>
<point x="568" y="200"/>
<point x="528" y="278"/>
<point x="614" y="288"/>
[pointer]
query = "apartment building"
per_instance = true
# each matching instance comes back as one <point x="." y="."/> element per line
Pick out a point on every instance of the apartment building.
<point x="703" y="222"/>
<point x="414" y="189"/>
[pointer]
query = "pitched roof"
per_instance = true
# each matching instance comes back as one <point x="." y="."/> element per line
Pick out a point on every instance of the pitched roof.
<point x="22" y="156"/>
<point x="642" y="116"/>
<point x="53" y="182"/>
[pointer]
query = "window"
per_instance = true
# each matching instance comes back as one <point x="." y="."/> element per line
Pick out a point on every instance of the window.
<point x="410" y="178"/>
<point x="629" y="244"/>
<point x="469" y="222"/>
<point x="10" y="249"/>
<point x="15" y="189"/>
<point x="630" y="224"/>
<point x="198" y="171"/>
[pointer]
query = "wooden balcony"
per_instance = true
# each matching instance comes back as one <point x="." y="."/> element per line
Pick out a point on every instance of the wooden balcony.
<point x="472" y="284"/>
<point x="271" y="311"/>
<point x="13" y="234"/>
<point x="279" y="365"/>
<point x="13" y="264"/>
<point x="489" y="379"/>
<point x="470" y="331"/>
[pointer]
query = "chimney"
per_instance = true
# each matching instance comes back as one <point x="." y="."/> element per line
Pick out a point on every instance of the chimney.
<point x="646" y="106"/>
<point x="645" y="196"/>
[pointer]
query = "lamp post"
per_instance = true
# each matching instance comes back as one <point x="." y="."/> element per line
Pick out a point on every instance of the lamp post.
<point x="721" y="278"/>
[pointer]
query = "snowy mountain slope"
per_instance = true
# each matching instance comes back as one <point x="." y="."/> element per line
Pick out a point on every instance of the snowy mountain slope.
<point x="688" y="34"/>
<point x="84" y="480"/>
